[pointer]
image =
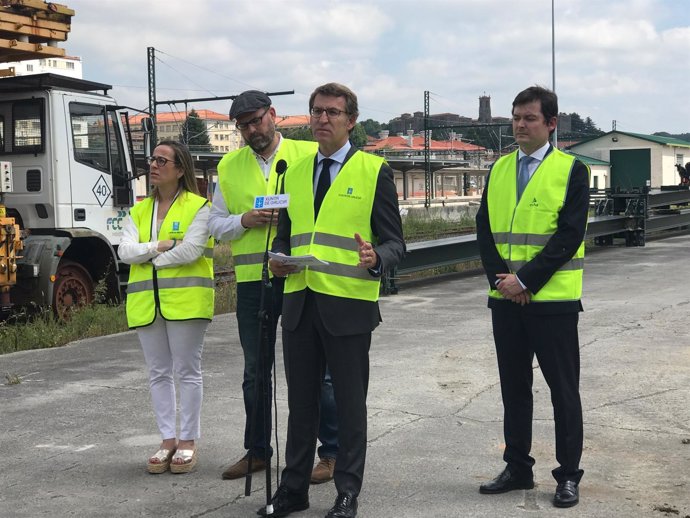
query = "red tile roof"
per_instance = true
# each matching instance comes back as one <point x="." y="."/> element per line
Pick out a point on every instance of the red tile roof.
<point x="292" y="121"/>
<point x="397" y="143"/>
<point x="179" y="116"/>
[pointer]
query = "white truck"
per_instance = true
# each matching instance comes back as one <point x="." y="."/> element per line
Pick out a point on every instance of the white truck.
<point x="67" y="147"/>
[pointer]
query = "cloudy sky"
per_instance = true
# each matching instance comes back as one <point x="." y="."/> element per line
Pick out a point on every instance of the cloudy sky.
<point x="622" y="60"/>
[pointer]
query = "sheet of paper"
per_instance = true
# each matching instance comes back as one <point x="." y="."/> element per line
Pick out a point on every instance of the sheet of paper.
<point x="297" y="260"/>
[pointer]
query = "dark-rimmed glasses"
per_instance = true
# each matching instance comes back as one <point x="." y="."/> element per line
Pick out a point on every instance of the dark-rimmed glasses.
<point x="253" y="122"/>
<point x="331" y="113"/>
<point x="160" y="160"/>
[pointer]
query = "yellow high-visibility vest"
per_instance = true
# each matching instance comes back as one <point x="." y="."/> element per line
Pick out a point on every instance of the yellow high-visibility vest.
<point x="240" y="180"/>
<point x="346" y="209"/>
<point x="522" y="228"/>
<point x="178" y="293"/>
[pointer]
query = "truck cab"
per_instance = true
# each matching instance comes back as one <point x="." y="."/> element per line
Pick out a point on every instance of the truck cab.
<point x="72" y="168"/>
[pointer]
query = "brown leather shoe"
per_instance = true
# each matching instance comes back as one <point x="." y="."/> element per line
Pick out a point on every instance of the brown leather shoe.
<point x="239" y="468"/>
<point x="323" y="471"/>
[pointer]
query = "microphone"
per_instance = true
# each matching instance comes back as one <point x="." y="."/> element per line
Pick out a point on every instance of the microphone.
<point x="281" y="167"/>
<point x="265" y="314"/>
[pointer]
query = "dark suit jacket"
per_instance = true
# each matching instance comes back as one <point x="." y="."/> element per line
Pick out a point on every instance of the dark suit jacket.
<point x="345" y="316"/>
<point x="572" y="223"/>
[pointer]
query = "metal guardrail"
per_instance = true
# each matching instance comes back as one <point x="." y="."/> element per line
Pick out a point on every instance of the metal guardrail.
<point x="630" y="216"/>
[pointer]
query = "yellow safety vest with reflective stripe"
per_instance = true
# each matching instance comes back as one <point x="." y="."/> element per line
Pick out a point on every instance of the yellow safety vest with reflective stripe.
<point x="178" y="293"/>
<point x="346" y="209"/>
<point x="241" y="180"/>
<point x="522" y="228"/>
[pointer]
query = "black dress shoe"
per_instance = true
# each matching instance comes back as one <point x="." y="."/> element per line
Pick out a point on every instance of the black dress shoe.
<point x="345" y="507"/>
<point x="285" y="502"/>
<point x="505" y="482"/>
<point x="567" y="494"/>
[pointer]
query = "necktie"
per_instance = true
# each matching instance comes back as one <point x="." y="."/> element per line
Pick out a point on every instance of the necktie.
<point x="523" y="174"/>
<point x="323" y="185"/>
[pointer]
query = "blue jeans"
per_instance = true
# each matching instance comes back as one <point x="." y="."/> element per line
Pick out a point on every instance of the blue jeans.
<point x="248" y="306"/>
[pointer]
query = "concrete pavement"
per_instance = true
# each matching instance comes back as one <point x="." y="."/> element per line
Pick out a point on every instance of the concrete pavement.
<point x="75" y="433"/>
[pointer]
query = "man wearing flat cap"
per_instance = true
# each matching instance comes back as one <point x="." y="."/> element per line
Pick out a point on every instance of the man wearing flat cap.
<point x="244" y="174"/>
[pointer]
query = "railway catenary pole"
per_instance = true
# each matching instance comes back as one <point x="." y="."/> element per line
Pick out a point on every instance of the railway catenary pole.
<point x="428" y="183"/>
<point x="151" y="53"/>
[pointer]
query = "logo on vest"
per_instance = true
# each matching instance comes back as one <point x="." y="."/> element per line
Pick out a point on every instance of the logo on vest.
<point x="350" y="193"/>
<point x="534" y="203"/>
<point x="176" y="226"/>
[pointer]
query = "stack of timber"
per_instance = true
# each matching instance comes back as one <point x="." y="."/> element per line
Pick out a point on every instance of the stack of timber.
<point x="32" y="29"/>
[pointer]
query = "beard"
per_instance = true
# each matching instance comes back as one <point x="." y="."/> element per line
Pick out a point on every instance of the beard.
<point x="259" y="142"/>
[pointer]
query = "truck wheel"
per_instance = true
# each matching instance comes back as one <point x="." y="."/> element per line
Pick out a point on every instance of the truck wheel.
<point x="73" y="289"/>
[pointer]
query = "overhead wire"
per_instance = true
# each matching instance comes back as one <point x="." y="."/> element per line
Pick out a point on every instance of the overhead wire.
<point x="188" y="78"/>
<point x="207" y="70"/>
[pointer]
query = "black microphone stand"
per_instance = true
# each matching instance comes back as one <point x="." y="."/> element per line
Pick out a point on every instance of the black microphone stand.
<point x="266" y="360"/>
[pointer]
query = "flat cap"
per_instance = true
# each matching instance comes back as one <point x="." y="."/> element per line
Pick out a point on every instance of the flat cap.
<point x="248" y="102"/>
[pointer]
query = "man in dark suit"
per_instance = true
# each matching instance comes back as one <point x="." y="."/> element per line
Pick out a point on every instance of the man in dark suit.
<point x="530" y="230"/>
<point x="343" y="210"/>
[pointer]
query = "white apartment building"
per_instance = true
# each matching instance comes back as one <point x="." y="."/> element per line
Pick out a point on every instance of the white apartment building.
<point x="67" y="66"/>
<point x="222" y="133"/>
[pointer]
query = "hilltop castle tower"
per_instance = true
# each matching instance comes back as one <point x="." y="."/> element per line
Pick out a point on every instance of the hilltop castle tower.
<point x="485" y="108"/>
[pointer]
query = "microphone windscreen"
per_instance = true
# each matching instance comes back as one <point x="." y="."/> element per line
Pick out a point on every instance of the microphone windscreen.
<point x="281" y="166"/>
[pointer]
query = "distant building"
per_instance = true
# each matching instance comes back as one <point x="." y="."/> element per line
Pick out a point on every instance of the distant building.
<point x="412" y="146"/>
<point x="292" y="121"/>
<point x="485" y="109"/>
<point x="222" y="133"/>
<point x="66" y="66"/>
<point x="415" y="122"/>
<point x="636" y="160"/>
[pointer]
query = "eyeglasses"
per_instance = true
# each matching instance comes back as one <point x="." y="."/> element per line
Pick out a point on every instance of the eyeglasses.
<point x="160" y="160"/>
<point x="254" y="122"/>
<point x="331" y="113"/>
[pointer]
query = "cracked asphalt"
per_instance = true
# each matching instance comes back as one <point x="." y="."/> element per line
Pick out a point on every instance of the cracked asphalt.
<point x="75" y="433"/>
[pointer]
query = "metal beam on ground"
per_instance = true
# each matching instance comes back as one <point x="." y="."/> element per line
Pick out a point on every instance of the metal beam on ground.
<point x="439" y="252"/>
<point x="668" y="221"/>
<point x="662" y="197"/>
<point x="598" y="226"/>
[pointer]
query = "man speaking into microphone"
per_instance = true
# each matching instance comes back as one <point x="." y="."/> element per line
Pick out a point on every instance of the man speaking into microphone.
<point x="243" y="175"/>
<point x="343" y="210"/>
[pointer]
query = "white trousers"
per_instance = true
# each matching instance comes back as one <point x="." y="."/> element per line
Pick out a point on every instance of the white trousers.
<point x="175" y="348"/>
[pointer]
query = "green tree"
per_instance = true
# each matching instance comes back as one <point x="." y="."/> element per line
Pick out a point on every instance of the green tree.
<point x="440" y="133"/>
<point x="591" y="128"/>
<point x="577" y="125"/>
<point x="302" y="133"/>
<point x="193" y="133"/>
<point x="482" y="137"/>
<point x="371" y="127"/>
<point x="581" y="128"/>
<point x="358" y="137"/>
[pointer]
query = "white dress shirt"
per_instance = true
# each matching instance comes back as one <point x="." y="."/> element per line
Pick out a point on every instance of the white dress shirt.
<point x="338" y="158"/>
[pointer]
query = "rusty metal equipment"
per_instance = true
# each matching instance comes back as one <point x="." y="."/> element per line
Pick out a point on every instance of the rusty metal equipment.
<point x="10" y="241"/>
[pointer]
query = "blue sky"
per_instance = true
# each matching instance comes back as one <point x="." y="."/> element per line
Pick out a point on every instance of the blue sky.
<point x="623" y="60"/>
